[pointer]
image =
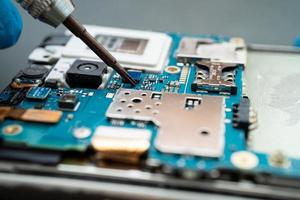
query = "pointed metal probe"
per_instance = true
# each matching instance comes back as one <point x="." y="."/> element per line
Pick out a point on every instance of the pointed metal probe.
<point x="79" y="31"/>
<point x="55" y="12"/>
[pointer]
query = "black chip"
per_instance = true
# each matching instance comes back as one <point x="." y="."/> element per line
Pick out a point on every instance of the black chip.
<point x="68" y="101"/>
<point x="86" y="74"/>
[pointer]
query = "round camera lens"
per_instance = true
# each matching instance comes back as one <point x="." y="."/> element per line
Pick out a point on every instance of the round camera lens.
<point x="87" y="67"/>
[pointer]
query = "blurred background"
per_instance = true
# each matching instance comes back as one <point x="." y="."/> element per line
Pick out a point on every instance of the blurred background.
<point x="258" y="21"/>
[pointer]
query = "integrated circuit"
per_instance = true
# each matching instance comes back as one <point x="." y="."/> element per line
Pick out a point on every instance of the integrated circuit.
<point x="135" y="74"/>
<point x="38" y="93"/>
<point x="68" y="102"/>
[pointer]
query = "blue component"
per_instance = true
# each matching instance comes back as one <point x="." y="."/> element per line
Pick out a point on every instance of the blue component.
<point x="5" y="96"/>
<point x="135" y="74"/>
<point x="38" y="93"/>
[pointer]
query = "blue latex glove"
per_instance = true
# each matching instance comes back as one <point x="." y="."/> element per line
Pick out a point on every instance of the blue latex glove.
<point x="10" y="24"/>
<point x="297" y="42"/>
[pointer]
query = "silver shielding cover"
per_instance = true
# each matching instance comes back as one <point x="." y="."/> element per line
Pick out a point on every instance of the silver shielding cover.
<point x="193" y="49"/>
<point x="187" y="124"/>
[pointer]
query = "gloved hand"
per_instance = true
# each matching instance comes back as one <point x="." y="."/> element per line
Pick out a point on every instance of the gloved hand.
<point x="10" y="24"/>
<point x="297" y="42"/>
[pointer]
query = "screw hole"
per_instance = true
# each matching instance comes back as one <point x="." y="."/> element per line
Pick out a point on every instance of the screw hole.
<point x="137" y="111"/>
<point x="204" y="132"/>
<point x="136" y="100"/>
<point x="155" y="112"/>
<point x="157" y="103"/>
<point x="148" y="107"/>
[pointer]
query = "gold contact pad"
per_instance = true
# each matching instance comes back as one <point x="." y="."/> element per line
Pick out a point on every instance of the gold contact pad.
<point x="42" y="116"/>
<point x="121" y="144"/>
<point x="30" y="115"/>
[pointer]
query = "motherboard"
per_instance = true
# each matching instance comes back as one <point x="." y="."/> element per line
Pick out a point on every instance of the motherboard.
<point x="188" y="116"/>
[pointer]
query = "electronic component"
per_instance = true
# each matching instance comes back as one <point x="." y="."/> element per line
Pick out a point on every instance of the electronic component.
<point x="184" y="74"/>
<point x="50" y="50"/>
<point x="12" y="129"/>
<point x="135" y="74"/>
<point x="243" y="116"/>
<point x="30" y="115"/>
<point x="82" y="132"/>
<point x="121" y="144"/>
<point x="141" y="50"/>
<point x="279" y="159"/>
<point x="215" y="77"/>
<point x="38" y="93"/>
<point x="172" y="69"/>
<point x="122" y="44"/>
<point x="12" y="97"/>
<point x="57" y="77"/>
<point x="86" y="74"/>
<point x="191" y="132"/>
<point x="68" y="102"/>
<point x="172" y="86"/>
<point x="31" y="76"/>
<point x="192" y="50"/>
<point x="244" y="160"/>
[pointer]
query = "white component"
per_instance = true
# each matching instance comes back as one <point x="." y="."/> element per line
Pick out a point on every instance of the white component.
<point x="130" y="139"/>
<point x="82" y="132"/>
<point x="60" y="69"/>
<point x="128" y="133"/>
<point x="49" y="54"/>
<point x="110" y="95"/>
<point x="244" y="160"/>
<point x="151" y="56"/>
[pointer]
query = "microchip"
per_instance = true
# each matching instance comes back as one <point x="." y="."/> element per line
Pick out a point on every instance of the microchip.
<point x="38" y="93"/>
<point x="135" y="74"/>
<point x="68" y="102"/>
